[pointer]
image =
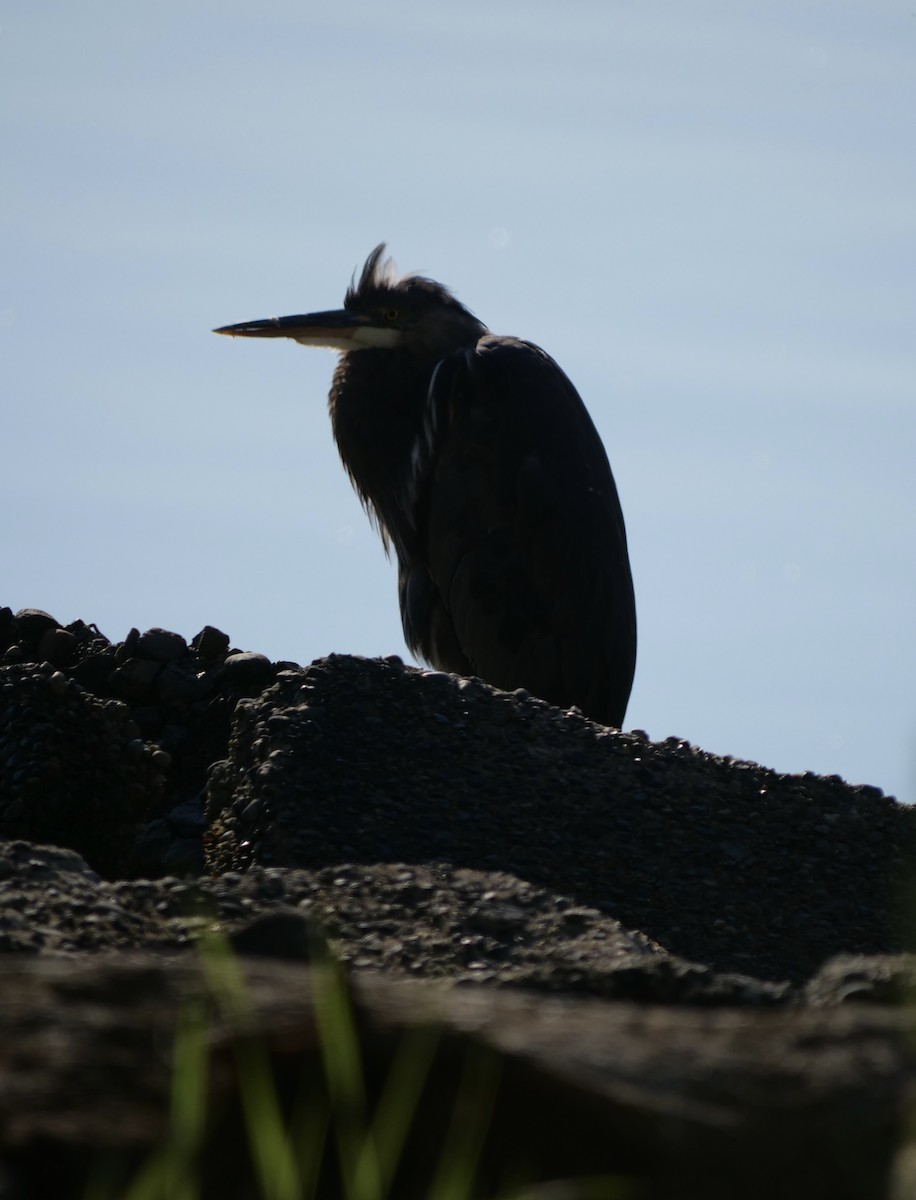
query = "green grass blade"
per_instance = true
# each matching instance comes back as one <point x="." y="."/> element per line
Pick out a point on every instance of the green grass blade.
<point x="343" y="1068"/>
<point x="398" y="1103"/>
<point x="471" y="1117"/>
<point x="172" y="1172"/>
<point x="274" y="1160"/>
<point x="275" y="1163"/>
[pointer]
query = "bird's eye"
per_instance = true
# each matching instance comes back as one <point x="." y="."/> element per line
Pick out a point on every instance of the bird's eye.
<point x="391" y="314"/>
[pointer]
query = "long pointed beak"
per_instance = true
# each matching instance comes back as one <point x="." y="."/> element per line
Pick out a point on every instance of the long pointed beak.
<point x="335" y="329"/>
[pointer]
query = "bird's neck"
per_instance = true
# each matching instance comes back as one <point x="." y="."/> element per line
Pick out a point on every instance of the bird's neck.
<point x="376" y="403"/>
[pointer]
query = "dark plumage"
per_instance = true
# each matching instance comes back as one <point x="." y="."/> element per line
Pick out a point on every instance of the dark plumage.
<point x="478" y="462"/>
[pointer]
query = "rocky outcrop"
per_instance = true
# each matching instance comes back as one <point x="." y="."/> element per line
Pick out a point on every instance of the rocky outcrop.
<point x="658" y="1100"/>
<point x="723" y="862"/>
<point x="672" y="970"/>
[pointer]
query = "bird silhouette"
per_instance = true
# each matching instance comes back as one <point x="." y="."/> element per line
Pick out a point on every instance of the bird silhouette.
<point x="477" y="461"/>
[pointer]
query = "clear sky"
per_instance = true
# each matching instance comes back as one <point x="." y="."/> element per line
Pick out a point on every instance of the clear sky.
<point x="706" y="212"/>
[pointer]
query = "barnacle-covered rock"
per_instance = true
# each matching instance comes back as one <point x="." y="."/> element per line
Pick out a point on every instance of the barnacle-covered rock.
<point x="74" y="770"/>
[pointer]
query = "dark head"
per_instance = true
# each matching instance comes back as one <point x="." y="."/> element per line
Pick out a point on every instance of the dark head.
<point x="392" y="333"/>
<point x="382" y="310"/>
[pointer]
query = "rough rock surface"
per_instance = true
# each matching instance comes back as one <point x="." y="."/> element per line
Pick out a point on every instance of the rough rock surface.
<point x="722" y="862"/>
<point x="677" y="1102"/>
<point x="688" y="968"/>
<point x="73" y="768"/>
<point x="435" y="922"/>
<point x="177" y="697"/>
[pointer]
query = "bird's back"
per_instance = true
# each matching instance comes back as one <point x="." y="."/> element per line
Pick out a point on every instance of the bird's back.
<point x="523" y="576"/>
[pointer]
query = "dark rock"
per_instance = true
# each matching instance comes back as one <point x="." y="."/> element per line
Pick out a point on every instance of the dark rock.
<point x="161" y="645"/>
<point x="148" y="719"/>
<point x="635" y="932"/>
<point x="58" y="647"/>
<point x="134" y="679"/>
<point x="151" y="847"/>
<point x="178" y="684"/>
<point x="720" y="862"/>
<point x="283" y="934"/>
<point x="68" y="772"/>
<point x="31" y="623"/>
<point x="188" y="819"/>
<point x="182" y="695"/>
<point x="466" y="927"/>
<point x="176" y="740"/>
<point x="211" y="643"/>
<point x="59" y="683"/>
<point x="128" y="648"/>
<point x="685" y="1104"/>
<point x="246" y="670"/>
<point x="184" y="856"/>
<point x="94" y="671"/>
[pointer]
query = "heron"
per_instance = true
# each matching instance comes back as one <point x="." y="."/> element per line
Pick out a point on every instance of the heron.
<point x="476" y="459"/>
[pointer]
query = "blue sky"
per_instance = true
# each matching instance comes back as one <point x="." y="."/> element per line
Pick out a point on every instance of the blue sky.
<point x="706" y="212"/>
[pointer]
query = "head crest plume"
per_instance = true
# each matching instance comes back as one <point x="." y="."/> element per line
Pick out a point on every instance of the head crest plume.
<point x="377" y="273"/>
<point x="379" y="278"/>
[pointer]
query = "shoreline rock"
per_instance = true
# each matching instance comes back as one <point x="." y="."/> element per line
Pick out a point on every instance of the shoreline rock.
<point x="692" y="970"/>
